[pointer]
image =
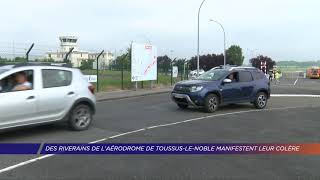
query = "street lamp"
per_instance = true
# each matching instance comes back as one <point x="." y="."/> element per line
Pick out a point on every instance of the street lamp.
<point x="224" y="41"/>
<point x="198" y="48"/>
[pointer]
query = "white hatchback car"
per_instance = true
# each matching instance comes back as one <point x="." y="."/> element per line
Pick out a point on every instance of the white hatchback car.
<point x="41" y="93"/>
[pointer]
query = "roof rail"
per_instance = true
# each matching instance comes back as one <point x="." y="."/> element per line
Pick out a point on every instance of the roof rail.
<point x="42" y="64"/>
<point x="241" y="67"/>
<point x="224" y="67"/>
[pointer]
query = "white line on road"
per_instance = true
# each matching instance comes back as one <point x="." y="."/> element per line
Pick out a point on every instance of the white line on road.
<point x="295" y="95"/>
<point x="24" y="163"/>
<point x="295" y="82"/>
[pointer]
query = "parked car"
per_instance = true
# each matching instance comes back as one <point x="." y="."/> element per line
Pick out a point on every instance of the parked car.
<point x="42" y="93"/>
<point x="193" y="74"/>
<point x="221" y="86"/>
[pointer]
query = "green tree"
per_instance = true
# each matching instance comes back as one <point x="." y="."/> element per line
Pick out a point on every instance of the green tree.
<point x="3" y="59"/>
<point x="44" y="60"/>
<point x="123" y="61"/>
<point x="164" y="64"/>
<point x="256" y="62"/>
<point x="20" y="59"/>
<point x="234" y="55"/>
<point x="87" y="64"/>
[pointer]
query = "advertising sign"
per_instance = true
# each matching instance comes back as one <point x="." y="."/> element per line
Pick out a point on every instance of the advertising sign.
<point x="91" y="78"/>
<point x="174" y="71"/>
<point x="143" y="62"/>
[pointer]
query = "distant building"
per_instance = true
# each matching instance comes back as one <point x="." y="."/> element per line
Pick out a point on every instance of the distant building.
<point x="77" y="56"/>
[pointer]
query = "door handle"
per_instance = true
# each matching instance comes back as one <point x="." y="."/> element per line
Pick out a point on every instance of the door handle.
<point x="71" y="93"/>
<point x="31" y="97"/>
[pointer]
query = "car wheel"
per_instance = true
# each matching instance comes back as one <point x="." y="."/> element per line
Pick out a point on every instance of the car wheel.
<point x="211" y="103"/>
<point x="182" y="106"/>
<point x="261" y="100"/>
<point x="80" y="117"/>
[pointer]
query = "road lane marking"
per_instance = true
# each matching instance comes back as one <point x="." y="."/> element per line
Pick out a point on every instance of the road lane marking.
<point x="295" y="82"/>
<point x="295" y="95"/>
<point x="24" y="163"/>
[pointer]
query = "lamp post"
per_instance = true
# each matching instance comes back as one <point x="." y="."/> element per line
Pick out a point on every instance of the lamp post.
<point x="224" y="41"/>
<point x="198" y="45"/>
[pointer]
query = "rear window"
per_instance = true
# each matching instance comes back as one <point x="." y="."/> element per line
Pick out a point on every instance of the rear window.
<point x="56" y="78"/>
<point x="259" y="75"/>
<point x="245" y="76"/>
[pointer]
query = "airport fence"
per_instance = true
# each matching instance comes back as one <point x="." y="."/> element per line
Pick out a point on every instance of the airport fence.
<point x="113" y="76"/>
<point x="111" y="79"/>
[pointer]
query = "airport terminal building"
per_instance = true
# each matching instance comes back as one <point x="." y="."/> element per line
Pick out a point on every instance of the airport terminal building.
<point x="77" y="55"/>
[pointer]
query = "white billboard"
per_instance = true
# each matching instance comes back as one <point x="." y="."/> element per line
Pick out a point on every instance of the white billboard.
<point x="143" y="62"/>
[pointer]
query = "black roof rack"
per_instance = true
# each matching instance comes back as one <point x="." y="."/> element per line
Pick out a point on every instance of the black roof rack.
<point x="41" y="64"/>
<point x="243" y="68"/>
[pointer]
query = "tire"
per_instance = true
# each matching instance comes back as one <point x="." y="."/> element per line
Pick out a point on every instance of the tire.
<point x="80" y="117"/>
<point x="261" y="100"/>
<point x="211" y="103"/>
<point x="182" y="106"/>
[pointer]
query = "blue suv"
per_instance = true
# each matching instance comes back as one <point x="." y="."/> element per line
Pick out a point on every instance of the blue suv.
<point x="223" y="85"/>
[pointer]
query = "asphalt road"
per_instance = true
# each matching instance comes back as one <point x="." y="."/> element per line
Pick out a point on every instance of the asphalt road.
<point x="286" y="120"/>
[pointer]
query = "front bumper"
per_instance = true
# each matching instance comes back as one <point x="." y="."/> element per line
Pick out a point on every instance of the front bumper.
<point x="182" y="99"/>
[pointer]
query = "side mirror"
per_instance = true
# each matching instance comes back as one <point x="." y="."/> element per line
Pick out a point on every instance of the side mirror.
<point x="227" y="81"/>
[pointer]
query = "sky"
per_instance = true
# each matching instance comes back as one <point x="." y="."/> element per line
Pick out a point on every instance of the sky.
<point x="280" y="29"/>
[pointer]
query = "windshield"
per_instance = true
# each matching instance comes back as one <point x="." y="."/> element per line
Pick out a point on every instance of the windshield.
<point x="213" y="75"/>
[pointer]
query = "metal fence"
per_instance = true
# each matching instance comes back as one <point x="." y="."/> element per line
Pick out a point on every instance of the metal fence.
<point x="120" y="78"/>
<point x="114" y="76"/>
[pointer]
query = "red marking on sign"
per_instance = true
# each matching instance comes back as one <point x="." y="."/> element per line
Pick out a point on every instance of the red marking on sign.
<point x="150" y="65"/>
<point x="148" y="47"/>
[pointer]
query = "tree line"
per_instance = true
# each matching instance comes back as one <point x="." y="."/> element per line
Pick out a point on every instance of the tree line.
<point x="234" y="56"/>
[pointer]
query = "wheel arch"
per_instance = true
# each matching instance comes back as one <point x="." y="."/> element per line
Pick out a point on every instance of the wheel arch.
<point x="264" y="91"/>
<point x="84" y="101"/>
<point x="216" y="93"/>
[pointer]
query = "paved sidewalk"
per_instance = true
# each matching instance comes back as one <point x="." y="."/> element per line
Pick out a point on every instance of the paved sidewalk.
<point x="122" y="94"/>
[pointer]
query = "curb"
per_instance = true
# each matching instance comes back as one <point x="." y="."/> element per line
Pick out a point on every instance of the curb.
<point x="132" y="96"/>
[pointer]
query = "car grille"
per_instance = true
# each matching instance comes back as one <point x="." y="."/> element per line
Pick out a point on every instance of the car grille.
<point x="180" y="88"/>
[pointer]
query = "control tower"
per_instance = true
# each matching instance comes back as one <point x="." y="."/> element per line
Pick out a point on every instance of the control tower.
<point x="68" y="42"/>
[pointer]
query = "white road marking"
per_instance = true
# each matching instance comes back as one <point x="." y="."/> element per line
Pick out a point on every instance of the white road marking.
<point x="295" y="82"/>
<point x="295" y="95"/>
<point x="24" y="163"/>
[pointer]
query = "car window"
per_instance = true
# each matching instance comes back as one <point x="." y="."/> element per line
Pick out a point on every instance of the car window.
<point x="234" y="77"/>
<point x="19" y="81"/>
<point x="213" y="75"/>
<point x="245" y="76"/>
<point x="56" y="78"/>
<point x="259" y="75"/>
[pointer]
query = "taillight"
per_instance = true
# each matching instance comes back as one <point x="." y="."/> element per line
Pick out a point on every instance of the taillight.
<point x="91" y="89"/>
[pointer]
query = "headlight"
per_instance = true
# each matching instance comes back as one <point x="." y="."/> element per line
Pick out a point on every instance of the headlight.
<point x="196" y="88"/>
